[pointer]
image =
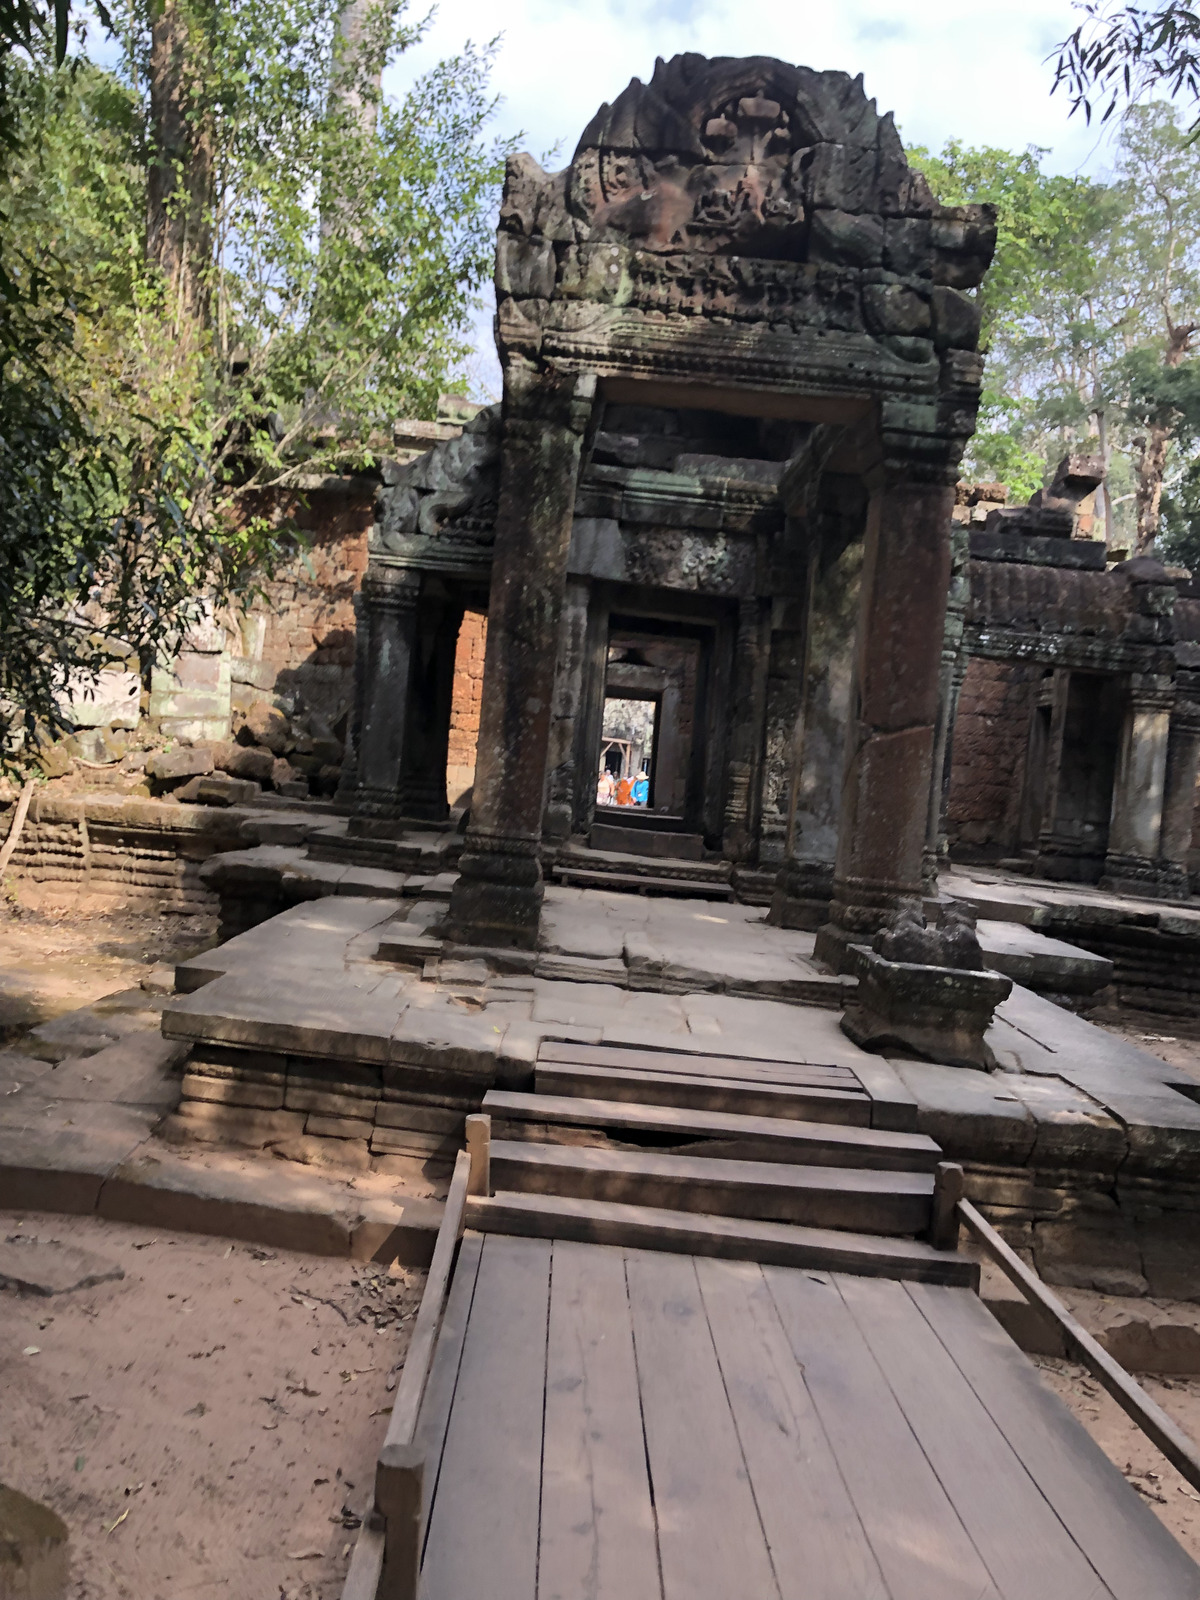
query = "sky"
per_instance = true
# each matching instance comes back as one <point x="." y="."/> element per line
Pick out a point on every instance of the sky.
<point x="971" y="69"/>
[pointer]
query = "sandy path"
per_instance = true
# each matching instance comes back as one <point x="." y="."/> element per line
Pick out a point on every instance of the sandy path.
<point x="208" y="1425"/>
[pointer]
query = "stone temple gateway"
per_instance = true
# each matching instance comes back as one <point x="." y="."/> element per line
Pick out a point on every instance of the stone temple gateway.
<point x="740" y="368"/>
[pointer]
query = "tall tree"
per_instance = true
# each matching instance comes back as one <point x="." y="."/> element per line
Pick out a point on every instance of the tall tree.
<point x="192" y="332"/>
<point x="1049" y="316"/>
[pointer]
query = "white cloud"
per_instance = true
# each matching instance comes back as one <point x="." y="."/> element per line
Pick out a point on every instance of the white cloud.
<point x="975" y="70"/>
<point x="971" y="69"/>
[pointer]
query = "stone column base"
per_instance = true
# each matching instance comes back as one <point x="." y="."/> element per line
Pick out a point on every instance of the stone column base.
<point x="497" y="900"/>
<point x="1151" y="880"/>
<point x="933" y="1013"/>
<point x="802" y="893"/>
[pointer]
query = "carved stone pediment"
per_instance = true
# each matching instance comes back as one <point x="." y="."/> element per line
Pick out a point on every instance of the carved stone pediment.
<point x="746" y="223"/>
<point x="439" y="511"/>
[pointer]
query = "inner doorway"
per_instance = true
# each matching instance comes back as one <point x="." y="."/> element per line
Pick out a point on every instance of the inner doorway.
<point x="650" y="742"/>
<point x="627" y="745"/>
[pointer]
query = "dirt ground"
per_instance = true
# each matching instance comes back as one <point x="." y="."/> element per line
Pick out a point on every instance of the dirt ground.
<point x="207" y="1425"/>
<point x="53" y="961"/>
<point x="1173" y="1501"/>
<point x="1174" y="1040"/>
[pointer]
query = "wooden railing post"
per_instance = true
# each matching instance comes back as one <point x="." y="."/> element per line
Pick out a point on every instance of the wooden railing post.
<point x="948" y="1184"/>
<point x="479" y="1148"/>
<point x="399" y="1494"/>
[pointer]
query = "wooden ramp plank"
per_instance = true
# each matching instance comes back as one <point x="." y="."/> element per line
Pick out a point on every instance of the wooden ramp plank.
<point x="1027" y="1550"/>
<point x="597" y="1526"/>
<point x="817" y="1543"/>
<point x="711" y="1541"/>
<point x="1131" y="1550"/>
<point x="759" y="1097"/>
<point x="483" y="1527"/>
<point x="921" y="1546"/>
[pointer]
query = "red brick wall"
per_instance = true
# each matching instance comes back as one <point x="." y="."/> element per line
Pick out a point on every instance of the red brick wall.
<point x="988" y="769"/>
<point x="309" y="606"/>
<point x="464" y="707"/>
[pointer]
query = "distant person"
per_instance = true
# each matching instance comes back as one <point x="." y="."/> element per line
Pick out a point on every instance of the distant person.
<point x="641" y="790"/>
<point x="625" y="792"/>
<point x="606" y="789"/>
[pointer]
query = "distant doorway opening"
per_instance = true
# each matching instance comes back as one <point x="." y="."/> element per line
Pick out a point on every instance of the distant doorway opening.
<point x="627" y="745"/>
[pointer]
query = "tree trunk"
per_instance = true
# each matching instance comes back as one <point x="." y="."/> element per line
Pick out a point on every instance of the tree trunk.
<point x="1155" y="444"/>
<point x="179" y="211"/>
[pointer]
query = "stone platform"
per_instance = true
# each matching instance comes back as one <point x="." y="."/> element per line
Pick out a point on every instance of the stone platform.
<point x="1154" y="947"/>
<point x="1083" y="1148"/>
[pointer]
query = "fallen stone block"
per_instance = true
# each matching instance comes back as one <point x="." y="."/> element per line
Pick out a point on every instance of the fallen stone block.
<point x="165" y="766"/>
<point x="217" y="791"/>
<point x="240" y="762"/>
<point x="267" y="726"/>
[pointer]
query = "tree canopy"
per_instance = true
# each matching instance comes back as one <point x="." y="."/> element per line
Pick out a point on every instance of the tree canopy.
<point x="250" y="261"/>
<point x="1091" y="311"/>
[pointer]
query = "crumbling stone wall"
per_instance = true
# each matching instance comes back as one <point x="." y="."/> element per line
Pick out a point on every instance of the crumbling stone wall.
<point x="990" y="742"/>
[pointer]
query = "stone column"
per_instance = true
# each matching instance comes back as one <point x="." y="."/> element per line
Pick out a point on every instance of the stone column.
<point x="894" y="704"/>
<point x="387" y="642"/>
<point x="743" y="769"/>
<point x="1135" y="828"/>
<point x="498" y="897"/>
<point x="1179" y="799"/>
<point x="950" y="682"/>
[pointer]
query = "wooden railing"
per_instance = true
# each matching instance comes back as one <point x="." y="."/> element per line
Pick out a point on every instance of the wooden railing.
<point x="386" y="1563"/>
<point x="1154" y="1422"/>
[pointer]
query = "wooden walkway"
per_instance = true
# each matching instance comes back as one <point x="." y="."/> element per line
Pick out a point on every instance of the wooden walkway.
<point x="605" y="1423"/>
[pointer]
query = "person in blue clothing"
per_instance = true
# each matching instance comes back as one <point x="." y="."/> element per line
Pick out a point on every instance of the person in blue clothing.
<point x="641" y="790"/>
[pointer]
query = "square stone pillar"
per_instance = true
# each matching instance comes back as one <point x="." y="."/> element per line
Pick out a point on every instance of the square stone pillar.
<point x="387" y="641"/>
<point x="498" y="897"/>
<point x="950" y="682"/>
<point x="1135" y="827"/>
<point x="1179" y="798"/>
<point x="894" y="705"/>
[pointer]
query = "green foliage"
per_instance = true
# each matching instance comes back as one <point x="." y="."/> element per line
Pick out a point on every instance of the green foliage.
<point x="1179" y="540"/>
<point x="349" y="237"/>
<point x="1120" y="54"/>
<point x="1088" y="305"/>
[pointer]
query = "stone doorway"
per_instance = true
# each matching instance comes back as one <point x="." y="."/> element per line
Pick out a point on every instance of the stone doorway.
<point x="653" y="692"/>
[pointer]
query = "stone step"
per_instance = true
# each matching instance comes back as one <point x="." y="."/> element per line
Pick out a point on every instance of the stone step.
<point x="644" y="841"/>
<point x="715" y="1134"/>
<point x="813" y="1103"/>
<point x="578" y="857"/>
<point x="643" y="883"/>
<point x="732" y="1239"/>
<point x="853" y="1199"/>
